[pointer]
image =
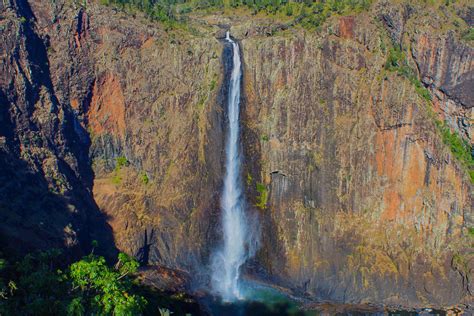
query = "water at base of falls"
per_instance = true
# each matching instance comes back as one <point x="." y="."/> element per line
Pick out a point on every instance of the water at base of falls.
<point x="238" y="238"/>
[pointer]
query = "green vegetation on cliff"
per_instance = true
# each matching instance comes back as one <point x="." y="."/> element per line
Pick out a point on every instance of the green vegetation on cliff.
<point x="469" y="34"/>
<point x="460" y="148"/>
<point x="397" y="61"/>
<point x="262" y="197"/>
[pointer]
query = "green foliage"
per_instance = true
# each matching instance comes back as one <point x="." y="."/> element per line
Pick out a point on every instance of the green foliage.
<point x="87" y="287"/>
<point x="262" y="197"/>
<point x="76" y="307"/>
<point x="311" y="13"/>
<point x="213" y="84"/>
<point x="460" y="148"/>
<point x="420" y="89"/>
<point x="317" y="12"/>
<point x="249" y="179"/>
<point x="289" y="9"/>
<point x="265" y="138"/>
<point x="397" y="61"/>
<point x="121" y="162"/>
<point x="105" y="290"/>
<point x="468" y="35"/>
<point x="36" y="286"/>
<point x="144" y="178"/>
<point x="157" y="10"/>
<point x="165" y="312"/>
<point x="470" y="231"/>
<point x="23" y="20"/>
<point x="116" y="179"/>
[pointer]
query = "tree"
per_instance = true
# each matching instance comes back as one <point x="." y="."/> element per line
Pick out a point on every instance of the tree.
<point x="105" y="290"/>
<point x="35" y="286"/>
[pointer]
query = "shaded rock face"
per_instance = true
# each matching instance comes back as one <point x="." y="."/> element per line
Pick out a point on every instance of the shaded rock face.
<point x="113" y="117"/>
<point x="45" y="196"/>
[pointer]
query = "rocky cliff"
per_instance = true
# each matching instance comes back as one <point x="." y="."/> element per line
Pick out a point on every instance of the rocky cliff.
<point x="113" y="126"/>
<point x="365" y="202"/>
<point x="45" y="197"/>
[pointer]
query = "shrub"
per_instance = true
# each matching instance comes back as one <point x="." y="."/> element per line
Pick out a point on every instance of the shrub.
<point x="469" y="34"/>
<point x="144" y="178"/>
<point x="105" y="290"/>
<point x="121" y="162"/>
<point x="471" y="231"/>
<point x="213" y="84"/>
<point x="36" y="287"/>
<point x="395" y="58"/>
<point x="116" y="179"/>
<point x="460" y="148"/>
<point x="397" y="61"/>
<point x="262" y="197"/>
<point x="168" y="11"/>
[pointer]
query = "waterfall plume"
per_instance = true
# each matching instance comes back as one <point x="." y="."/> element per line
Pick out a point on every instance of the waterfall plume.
<point x="239" y="237"/>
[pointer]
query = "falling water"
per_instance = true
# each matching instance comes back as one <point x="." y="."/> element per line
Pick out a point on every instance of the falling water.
<point x="238" y="239"/>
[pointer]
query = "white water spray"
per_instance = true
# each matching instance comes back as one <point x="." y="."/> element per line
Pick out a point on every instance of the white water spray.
<point x="239" y="239"/>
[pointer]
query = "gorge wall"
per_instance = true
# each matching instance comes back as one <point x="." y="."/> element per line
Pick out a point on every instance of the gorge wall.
<point x="112" y="127"/>
<point x="365" y="202"/>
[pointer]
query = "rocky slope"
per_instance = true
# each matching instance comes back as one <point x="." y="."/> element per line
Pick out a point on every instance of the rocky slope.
<point x="358" y="197"/>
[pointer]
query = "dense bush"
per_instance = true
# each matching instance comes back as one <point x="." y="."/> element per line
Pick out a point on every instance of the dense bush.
<point x="36" y="286"/>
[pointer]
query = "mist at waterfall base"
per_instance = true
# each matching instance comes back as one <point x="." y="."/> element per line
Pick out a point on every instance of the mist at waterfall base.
<point x="240" y="238"/>
<point x="258" y="300"/>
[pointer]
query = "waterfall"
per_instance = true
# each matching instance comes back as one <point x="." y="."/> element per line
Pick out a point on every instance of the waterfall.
<point x="238" y="235"/>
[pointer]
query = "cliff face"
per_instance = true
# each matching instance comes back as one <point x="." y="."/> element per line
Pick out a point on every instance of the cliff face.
<point x="45" y="196"/>
<point x="365" y="202"/>
<point x="148" y="105"/>
<point x="359" y="199"/>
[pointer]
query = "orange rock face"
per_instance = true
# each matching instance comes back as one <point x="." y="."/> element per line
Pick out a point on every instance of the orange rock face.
<point x="346" y="26"/>
<point x="107" y="109"/>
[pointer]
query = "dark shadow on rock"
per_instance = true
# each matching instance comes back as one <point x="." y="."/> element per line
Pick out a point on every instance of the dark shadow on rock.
<point x="33" y="215"/>
<point x="143" y="254"/>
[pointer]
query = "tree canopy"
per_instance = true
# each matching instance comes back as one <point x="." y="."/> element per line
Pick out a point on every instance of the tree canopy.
<point x="35" y="286"/>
